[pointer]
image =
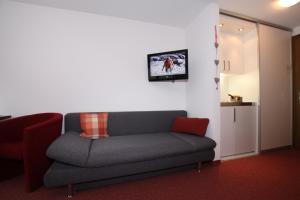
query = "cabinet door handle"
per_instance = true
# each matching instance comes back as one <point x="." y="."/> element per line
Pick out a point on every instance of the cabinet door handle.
<point x="224" y="65"/>
<point x="229" y="65"/>
<point x="234" y="115"/>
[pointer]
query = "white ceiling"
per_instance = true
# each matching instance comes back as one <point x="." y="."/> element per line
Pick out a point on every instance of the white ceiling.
<point x="177" y="12"/>
<point x="267" y="10"/>
<point x="168" y="12"/>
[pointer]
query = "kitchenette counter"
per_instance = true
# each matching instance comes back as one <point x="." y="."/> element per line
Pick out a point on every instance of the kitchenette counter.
<point x="237" y="103"/>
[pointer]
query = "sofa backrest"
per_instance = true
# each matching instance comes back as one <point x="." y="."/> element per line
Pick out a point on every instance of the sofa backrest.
<point x="136" y="122"/>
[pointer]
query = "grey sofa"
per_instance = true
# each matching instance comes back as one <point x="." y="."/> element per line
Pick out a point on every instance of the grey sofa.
<point x="140" y="145"/>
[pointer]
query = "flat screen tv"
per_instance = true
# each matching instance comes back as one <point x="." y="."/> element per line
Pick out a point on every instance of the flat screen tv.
<point x="171" y="65"/>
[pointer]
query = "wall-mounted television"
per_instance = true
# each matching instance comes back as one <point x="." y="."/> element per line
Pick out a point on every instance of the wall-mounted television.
<point x="171" y="65"/>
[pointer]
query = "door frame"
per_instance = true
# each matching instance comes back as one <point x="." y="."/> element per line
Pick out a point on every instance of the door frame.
<point x="295" y="96"/>
<point x="257" y="149"/>
<point x="258" y="22"/>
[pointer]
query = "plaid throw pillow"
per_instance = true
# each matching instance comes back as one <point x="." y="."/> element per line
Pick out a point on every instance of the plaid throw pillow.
<point x="94" y="125"/>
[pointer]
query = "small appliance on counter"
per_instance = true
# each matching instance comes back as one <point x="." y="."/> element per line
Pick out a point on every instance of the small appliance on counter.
<point x="235" y="98"/>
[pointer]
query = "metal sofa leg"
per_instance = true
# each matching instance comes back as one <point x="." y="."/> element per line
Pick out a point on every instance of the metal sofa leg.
<point x="70" y="191"/>
<point x="199" y="166"/>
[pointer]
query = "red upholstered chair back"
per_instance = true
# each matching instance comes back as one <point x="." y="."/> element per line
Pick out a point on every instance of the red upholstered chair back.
<point x="27" y="138"/>
<point x="13" y="128"/>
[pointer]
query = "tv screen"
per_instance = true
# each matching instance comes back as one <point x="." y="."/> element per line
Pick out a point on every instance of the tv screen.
<point x="172" y="65"/>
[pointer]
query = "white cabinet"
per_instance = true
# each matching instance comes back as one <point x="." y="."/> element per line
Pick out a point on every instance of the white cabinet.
<point x="238" y="130"/>
<point x="227" y="131"/>
<point x="231" y="54"/>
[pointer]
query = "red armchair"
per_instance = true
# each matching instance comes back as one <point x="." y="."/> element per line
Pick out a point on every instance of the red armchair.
<point x="27" y="138"/>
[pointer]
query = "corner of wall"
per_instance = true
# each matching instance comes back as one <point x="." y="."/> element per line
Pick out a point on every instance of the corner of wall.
<point x="202" y="98"/>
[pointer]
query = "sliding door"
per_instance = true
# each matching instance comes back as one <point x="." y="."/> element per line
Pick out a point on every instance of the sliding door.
<point x="275" y="87"/>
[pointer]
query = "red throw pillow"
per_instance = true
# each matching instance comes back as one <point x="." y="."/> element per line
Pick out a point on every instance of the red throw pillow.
<point x="94" y="125"/>
<point x="196" y="126"/>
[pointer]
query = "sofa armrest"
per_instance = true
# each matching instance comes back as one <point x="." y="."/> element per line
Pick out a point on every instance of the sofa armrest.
<point x="36" y="140"/>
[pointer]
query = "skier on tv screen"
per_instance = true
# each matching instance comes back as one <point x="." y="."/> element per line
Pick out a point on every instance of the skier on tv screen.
<point x="168" y="65"/>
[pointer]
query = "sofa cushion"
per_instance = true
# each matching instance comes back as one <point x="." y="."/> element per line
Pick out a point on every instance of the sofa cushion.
<point x="196" y="126"/>
<point x="60" y="174"/>
<point x="70" y="148"/>
<point x="94" y="125"/>
<point x="124" y="123"/>
<point x="135" y="148"/>
<point x="198" y="143"/>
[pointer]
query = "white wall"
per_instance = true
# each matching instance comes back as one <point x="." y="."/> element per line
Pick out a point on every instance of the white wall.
<point x="224" y="80"/>
<point x="65" y="61"/>
<point x="202" y="96"/>
<point x="296" y="30"/>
